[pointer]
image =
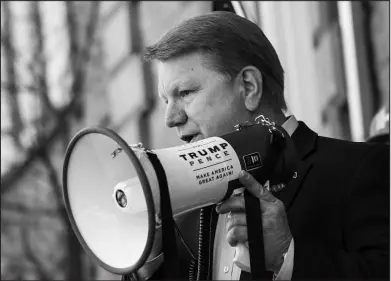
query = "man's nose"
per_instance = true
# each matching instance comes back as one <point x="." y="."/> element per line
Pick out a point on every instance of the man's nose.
<point x="175" y="115"/>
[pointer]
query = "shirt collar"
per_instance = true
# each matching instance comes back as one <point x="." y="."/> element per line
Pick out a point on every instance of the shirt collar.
<point x="290" y="125"/>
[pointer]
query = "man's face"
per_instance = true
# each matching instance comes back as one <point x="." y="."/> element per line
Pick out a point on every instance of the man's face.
<point x="200" y="102"/>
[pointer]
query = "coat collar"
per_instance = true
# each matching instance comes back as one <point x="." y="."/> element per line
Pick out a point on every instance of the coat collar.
<point x="304" y="140"/>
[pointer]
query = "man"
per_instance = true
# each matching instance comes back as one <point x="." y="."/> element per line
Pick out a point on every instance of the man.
<point x="332" y="220"/>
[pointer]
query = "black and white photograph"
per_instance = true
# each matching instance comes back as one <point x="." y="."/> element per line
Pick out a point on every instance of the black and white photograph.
<point x="195" y="140"/>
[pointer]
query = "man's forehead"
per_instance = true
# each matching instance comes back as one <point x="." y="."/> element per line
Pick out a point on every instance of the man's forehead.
<point x="172" y="75"/>
<point x="183" y="66"/>
<point x="168" y="87"/>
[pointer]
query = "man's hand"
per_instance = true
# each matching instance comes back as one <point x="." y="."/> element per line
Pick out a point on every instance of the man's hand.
<point x="276" y="232"/>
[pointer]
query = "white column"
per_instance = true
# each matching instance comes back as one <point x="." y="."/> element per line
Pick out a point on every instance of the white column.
<point x="351" y="70"/>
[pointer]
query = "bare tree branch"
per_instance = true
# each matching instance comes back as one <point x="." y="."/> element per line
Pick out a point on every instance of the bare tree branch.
<point x="74" y="270"/>
<point x="18" y="87"/>
<point x="73" y="37"/>
<point x="6" y="222"/>
<point x="137" y="47"/>
<point x="20" y="208"/>
<point x="80" y="62"/>
<point x="77" y="54"/>
<point x="39" y="72"/>
<point x="106" y="17"/>
<point x="13" y="269"/>
<point x="5" y="43"/>
<point x="15" y="172"/>
<point x="54" y="183"/>
<point x="63" y="115"/>
<point x="32" y="257"/>
<point x="9" y="57"/>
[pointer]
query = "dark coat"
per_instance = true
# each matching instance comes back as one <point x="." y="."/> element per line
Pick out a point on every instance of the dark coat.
<point x="338" y="210"/>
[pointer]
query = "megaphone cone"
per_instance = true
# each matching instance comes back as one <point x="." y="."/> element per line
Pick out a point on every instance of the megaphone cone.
<point x="98" y="165"/>
<point x="111" y="189"/>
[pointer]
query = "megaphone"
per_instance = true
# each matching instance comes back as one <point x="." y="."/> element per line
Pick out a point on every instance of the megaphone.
<point x="112" y="190"/>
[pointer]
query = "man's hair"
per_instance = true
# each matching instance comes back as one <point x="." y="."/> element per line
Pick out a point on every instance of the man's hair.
<point x="229" y="43"/>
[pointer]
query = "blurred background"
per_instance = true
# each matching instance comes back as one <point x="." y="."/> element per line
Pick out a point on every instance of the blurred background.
<point x="66" y="65"/>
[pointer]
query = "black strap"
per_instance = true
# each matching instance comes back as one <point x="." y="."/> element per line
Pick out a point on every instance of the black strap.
<point x="170" y="248"/>
<point x="255" y="236"/>
<point x="254" y="215"/>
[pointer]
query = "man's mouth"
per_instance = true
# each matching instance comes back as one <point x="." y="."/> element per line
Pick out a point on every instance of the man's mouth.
<point x="190" y="138"/>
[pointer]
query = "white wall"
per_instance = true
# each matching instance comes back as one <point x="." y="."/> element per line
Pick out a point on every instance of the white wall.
<point x="288" y="27"/>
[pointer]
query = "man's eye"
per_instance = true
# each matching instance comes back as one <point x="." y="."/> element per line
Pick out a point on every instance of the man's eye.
<point x="185" y="93"/>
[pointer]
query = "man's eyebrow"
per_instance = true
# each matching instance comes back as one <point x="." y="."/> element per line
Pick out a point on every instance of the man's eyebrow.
<point x="167" y="90"/>
<point x="175" y="87"/>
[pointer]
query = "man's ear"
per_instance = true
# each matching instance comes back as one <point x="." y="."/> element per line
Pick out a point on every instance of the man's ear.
<point x="251" y="85"/>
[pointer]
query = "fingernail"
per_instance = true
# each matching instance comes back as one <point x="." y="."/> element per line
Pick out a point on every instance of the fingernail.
<point x="218" y="207"/>
<point x="244" y="174"/>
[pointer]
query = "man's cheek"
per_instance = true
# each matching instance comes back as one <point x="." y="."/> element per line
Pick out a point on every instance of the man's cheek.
<point x="200" y="113"/>
<point x="214" y="129"/>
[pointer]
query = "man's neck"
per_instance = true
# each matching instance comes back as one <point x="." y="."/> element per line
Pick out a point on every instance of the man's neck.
<point x="275" y="115"/>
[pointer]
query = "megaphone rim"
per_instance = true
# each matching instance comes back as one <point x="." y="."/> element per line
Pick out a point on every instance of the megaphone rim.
<point x="146" y="189"/>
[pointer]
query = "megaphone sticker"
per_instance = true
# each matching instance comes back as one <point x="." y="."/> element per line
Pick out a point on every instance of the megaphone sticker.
<point x="252" y="161"/>
<point x="208" y="160"/>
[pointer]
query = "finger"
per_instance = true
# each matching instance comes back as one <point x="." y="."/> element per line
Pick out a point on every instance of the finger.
<point x="235" y="219"/>
<point x="237" y="234"/>
<point x="232" y="204"/>
<point x="255" y="188"/>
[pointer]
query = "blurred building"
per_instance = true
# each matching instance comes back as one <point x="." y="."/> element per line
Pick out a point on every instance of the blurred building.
<point x="335" y="56"/>
<point x="336" y="60"/>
